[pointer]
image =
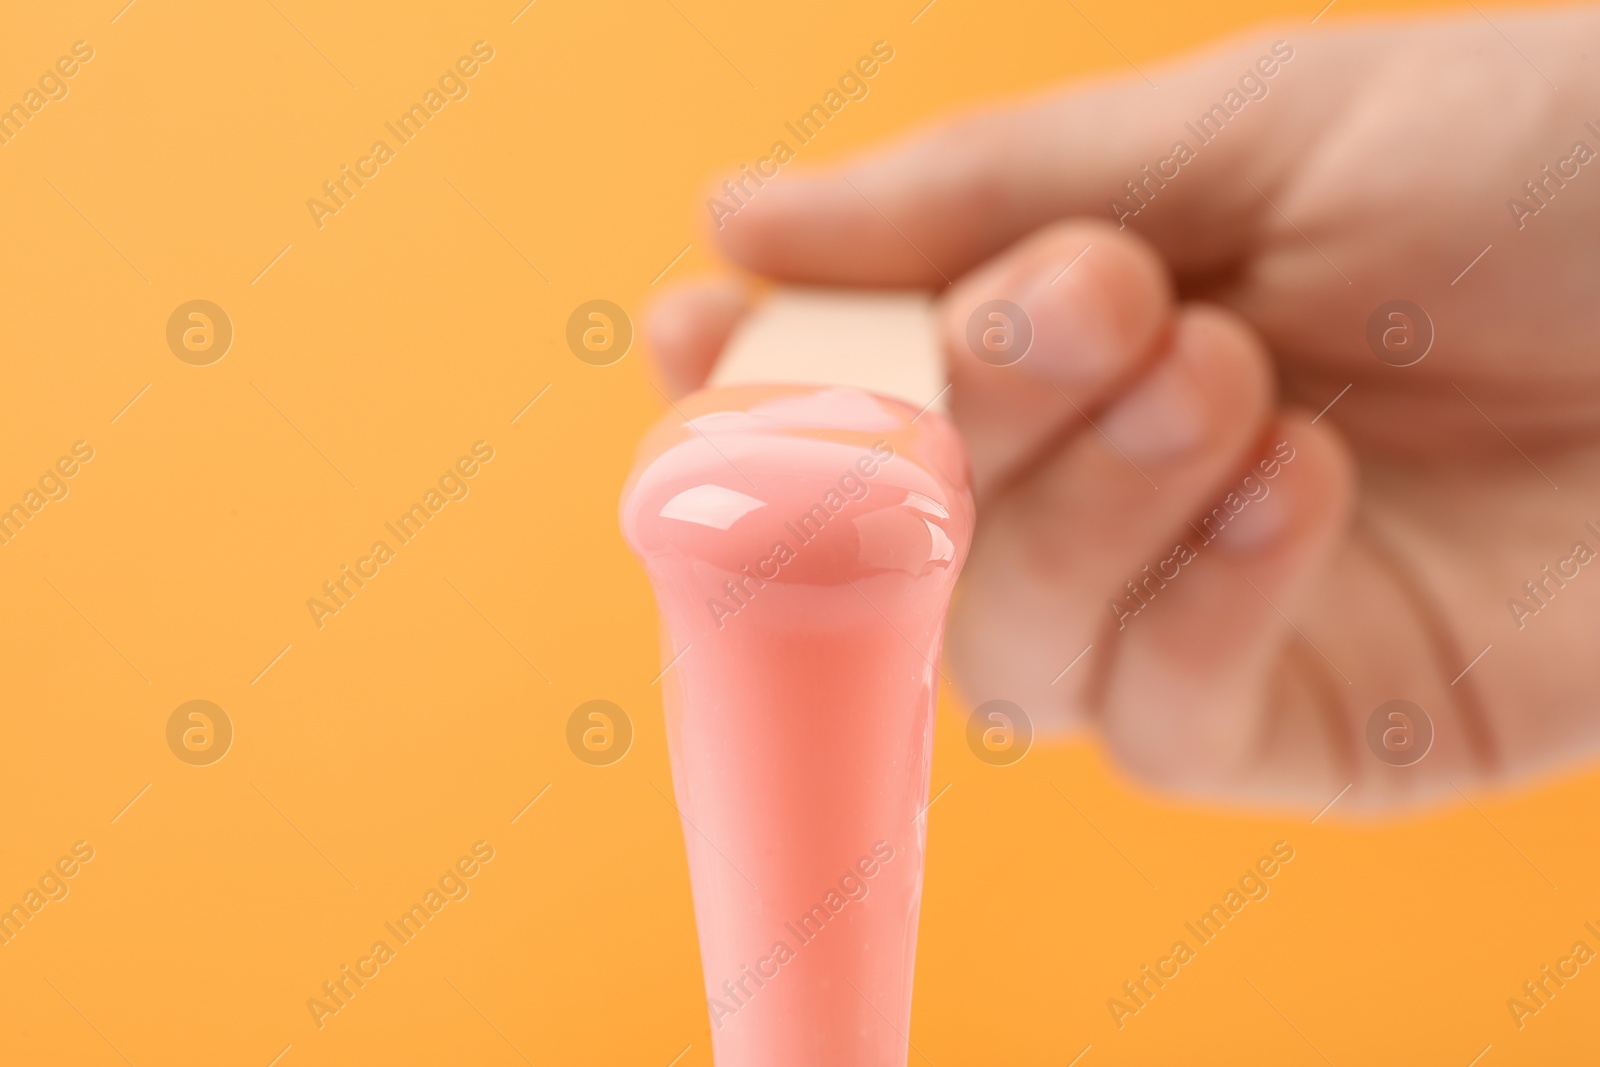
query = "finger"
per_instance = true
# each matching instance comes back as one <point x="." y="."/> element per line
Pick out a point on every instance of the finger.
<point x="924" y="211"/>
<point x="688" y="327"/>
<point x="1093" y="303"/>
<point x="1055" y="548"/>
<point x="1192" y="679"/>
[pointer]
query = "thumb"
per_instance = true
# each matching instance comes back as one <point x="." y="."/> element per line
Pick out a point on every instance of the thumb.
<point x="921" y="212"/>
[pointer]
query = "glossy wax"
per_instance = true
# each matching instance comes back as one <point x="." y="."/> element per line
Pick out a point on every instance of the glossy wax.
<point x="802" y="543"/>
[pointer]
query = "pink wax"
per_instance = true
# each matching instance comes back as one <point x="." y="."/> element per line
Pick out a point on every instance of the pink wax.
<point x="802" y="543"/>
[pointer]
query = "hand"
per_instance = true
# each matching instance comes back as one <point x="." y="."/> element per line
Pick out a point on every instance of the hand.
<point x="1306" y="570"/>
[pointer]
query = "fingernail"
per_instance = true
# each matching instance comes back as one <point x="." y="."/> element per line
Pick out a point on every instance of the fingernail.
<point x="1256" y="526"/>
<point x="1072" y="326"/>
<point x="1163" y="419"/>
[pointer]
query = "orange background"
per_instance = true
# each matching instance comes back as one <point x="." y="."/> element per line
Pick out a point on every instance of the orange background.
<point x="378" y="749"/>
